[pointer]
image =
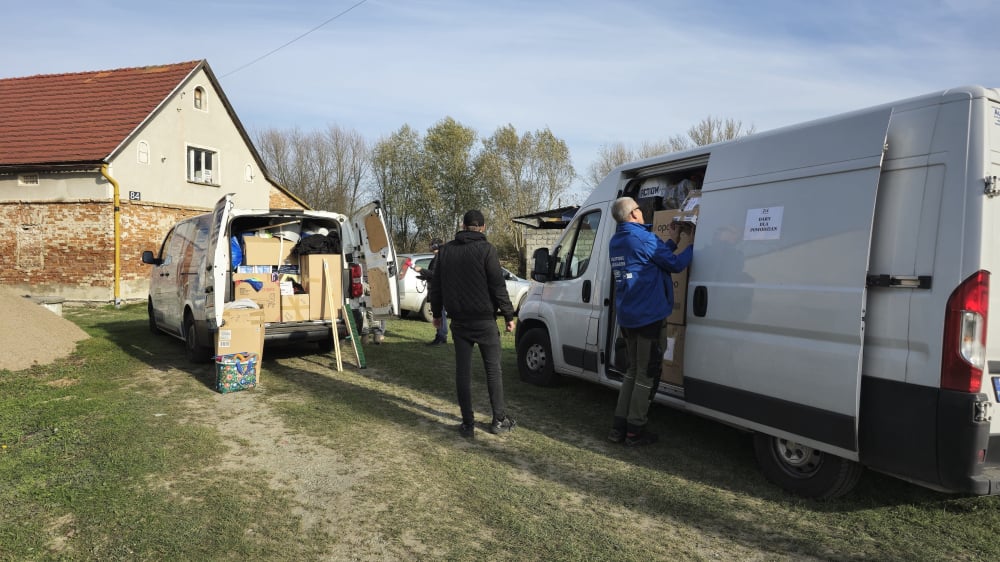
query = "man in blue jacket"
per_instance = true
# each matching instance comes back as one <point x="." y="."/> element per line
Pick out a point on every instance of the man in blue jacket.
<point x="644" y="297"/>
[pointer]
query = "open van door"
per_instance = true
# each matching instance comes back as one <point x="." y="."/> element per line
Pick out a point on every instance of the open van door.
<point x="219" y="265"/>
<point x="777" y="289"/>
<point x="379" y="258"/>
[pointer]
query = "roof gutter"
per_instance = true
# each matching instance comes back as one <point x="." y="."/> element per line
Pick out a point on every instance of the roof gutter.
<point x="118" y="239"/>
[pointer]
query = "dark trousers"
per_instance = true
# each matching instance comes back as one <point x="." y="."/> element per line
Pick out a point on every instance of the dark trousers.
<point x="486" y="335"/>
<point x="645" y="361"/>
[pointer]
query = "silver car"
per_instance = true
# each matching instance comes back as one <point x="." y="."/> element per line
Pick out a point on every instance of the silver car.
<point x="413" y="295"/>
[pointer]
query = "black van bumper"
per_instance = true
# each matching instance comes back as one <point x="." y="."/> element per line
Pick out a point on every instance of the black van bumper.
<point x="938" y="438"/>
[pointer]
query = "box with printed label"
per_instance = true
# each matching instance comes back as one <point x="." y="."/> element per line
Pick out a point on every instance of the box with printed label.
<point x="266" y="251"/>
<point x="311" y="268"/>
<point x="661" y="224"/>
<point x="672" y="370"/>
<point x="295" y="308"/>
<point x="242" y="331"/>
<point x="262" y="289"/>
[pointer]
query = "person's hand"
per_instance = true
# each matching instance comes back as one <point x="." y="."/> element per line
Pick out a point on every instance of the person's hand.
<point x="510" y="326"/>
<point x="674" y="232"/>
<point x="437" y="322"/>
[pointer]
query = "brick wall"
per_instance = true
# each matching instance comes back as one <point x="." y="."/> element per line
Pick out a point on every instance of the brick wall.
<point x="67" y="249"/>
<point x="280" y="200"/>
<point x="535" y="238"/>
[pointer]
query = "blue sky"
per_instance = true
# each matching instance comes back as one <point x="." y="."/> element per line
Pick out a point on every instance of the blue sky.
<point x="594" y="72"/>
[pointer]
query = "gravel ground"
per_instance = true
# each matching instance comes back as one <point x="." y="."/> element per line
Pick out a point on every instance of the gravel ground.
<point x="32" y="334"/>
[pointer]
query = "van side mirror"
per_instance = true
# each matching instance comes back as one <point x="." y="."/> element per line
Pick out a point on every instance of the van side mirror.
<point x="540" y="268"/>
<point x="147" y="257"/>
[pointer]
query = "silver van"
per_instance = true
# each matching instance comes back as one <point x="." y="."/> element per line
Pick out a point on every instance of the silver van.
<point x="838" y="305"/>
<point x="192" y="275"/>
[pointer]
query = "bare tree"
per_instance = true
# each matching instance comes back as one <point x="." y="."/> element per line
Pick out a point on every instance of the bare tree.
<point x="397" y="167"/>
<point x="708" y="131"/>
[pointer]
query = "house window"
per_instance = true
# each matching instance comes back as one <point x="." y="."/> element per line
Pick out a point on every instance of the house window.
<point x="203" y="165"/>
<point x="199" y="98"/>
<point x="142" y="152"/>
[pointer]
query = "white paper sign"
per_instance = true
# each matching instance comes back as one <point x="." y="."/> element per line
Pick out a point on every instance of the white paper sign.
<point x="763" y="224"/>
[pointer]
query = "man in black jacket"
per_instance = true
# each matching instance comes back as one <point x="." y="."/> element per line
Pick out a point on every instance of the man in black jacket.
<point x="427" y="274"/>
<point x="469" y="283"/>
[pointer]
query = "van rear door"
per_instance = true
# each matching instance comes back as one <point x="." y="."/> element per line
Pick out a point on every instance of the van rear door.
<point x="219" y="261"/>
<point x="777" y="289"/>
<point x="379" y="257"/>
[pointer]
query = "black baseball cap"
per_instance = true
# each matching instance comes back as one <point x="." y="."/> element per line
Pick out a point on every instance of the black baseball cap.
<point x="473" y="218"/>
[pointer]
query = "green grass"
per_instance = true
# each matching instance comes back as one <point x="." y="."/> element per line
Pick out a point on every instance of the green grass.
<point x="124" y="451"/>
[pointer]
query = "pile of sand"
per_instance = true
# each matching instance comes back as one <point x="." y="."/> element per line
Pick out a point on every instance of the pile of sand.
<point x="31" y="334"/>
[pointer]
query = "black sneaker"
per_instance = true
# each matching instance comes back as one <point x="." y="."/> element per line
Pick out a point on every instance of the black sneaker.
<point x="506" y="425"/>
<point x="616" y="435"/>
<point x="436" y="342"/>
<point x="467" y="430"/>
<point x="644" y="438"/>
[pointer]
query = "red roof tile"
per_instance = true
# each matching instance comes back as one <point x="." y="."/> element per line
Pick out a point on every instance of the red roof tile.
<point x="82" y="116"/>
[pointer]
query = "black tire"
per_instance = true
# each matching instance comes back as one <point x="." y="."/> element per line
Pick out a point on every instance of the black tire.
<point x="153" y="326"/>
<point x="197" y="352"/>
<point x="326" y="345"/>
<point x="425" y="311"/>
<point x="804" y="471"/>
<point x="534" y="358"/>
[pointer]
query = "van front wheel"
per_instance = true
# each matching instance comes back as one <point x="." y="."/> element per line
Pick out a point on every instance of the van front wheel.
<point x="805" y="471"/>
<point x="534" y="358"/>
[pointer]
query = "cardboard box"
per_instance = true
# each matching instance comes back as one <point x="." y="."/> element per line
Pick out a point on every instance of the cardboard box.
<point x="661" y="223"/>
<point x="672" y="371"/>
<point x="295" y="308"/>
<point x="266" y="251"/>
<point x="311" y="268"/>
<point x="267" y="297"/>
<point x="242" y="331"/>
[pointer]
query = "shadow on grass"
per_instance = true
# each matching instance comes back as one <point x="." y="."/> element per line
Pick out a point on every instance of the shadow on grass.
<point x="576" y="414"/>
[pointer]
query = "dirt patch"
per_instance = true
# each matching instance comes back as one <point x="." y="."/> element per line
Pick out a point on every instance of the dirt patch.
<point x="33" y="334"/>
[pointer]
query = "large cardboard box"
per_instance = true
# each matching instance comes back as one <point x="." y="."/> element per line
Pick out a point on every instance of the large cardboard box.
<point x="661" y="223"/>
<point x="295" y="308"/>
<point x="258" y="250"/>
<point x="267" y="297"/>
<point x="311" y="271"/>
<point x="672" y="371"/>
<point x="242" y="331"/>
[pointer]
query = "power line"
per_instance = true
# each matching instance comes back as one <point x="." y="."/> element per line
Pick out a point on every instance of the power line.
<point x="271" y="52"/>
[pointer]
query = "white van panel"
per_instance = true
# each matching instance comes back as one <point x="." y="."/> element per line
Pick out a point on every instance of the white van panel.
<point x="787" y="322"/>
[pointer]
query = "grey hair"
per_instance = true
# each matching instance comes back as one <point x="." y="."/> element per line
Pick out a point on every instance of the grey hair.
<point x="621" y="208"/>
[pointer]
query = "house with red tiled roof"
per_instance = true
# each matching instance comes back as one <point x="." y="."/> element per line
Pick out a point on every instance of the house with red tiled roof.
<point x="96" y="166"/>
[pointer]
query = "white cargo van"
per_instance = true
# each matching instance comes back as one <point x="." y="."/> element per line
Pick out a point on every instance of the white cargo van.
<point x="193" y="273"/>
<point x="838" y="302"/>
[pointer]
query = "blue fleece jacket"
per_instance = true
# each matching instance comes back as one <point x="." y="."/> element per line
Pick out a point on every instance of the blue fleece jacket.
<point x="642" y="264"/>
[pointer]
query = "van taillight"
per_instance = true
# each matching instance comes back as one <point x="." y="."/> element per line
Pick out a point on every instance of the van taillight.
<point x="964" y="351"/>
<point x="357" y="289"/>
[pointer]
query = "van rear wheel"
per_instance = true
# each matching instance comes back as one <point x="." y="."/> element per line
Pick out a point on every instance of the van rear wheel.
<point x="153" y="326"/>
<point x="805" y="471"/>
<point x="534" y="358"/>
<point x="196" y="351"/>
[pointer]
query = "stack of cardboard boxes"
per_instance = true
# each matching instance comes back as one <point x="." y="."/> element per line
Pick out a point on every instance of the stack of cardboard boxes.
<point x="270" y="271"/>
<point x="673" y="354"/>
<point x="268" y="276"/>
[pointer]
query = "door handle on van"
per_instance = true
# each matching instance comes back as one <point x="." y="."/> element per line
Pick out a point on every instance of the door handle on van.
<point x="586" y="291"/>
<point x="700" y="301"/>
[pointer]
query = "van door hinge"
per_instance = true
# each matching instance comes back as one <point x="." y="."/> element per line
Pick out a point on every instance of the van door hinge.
<point x="900" y="281"/>
<point x="992" y="186"/>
